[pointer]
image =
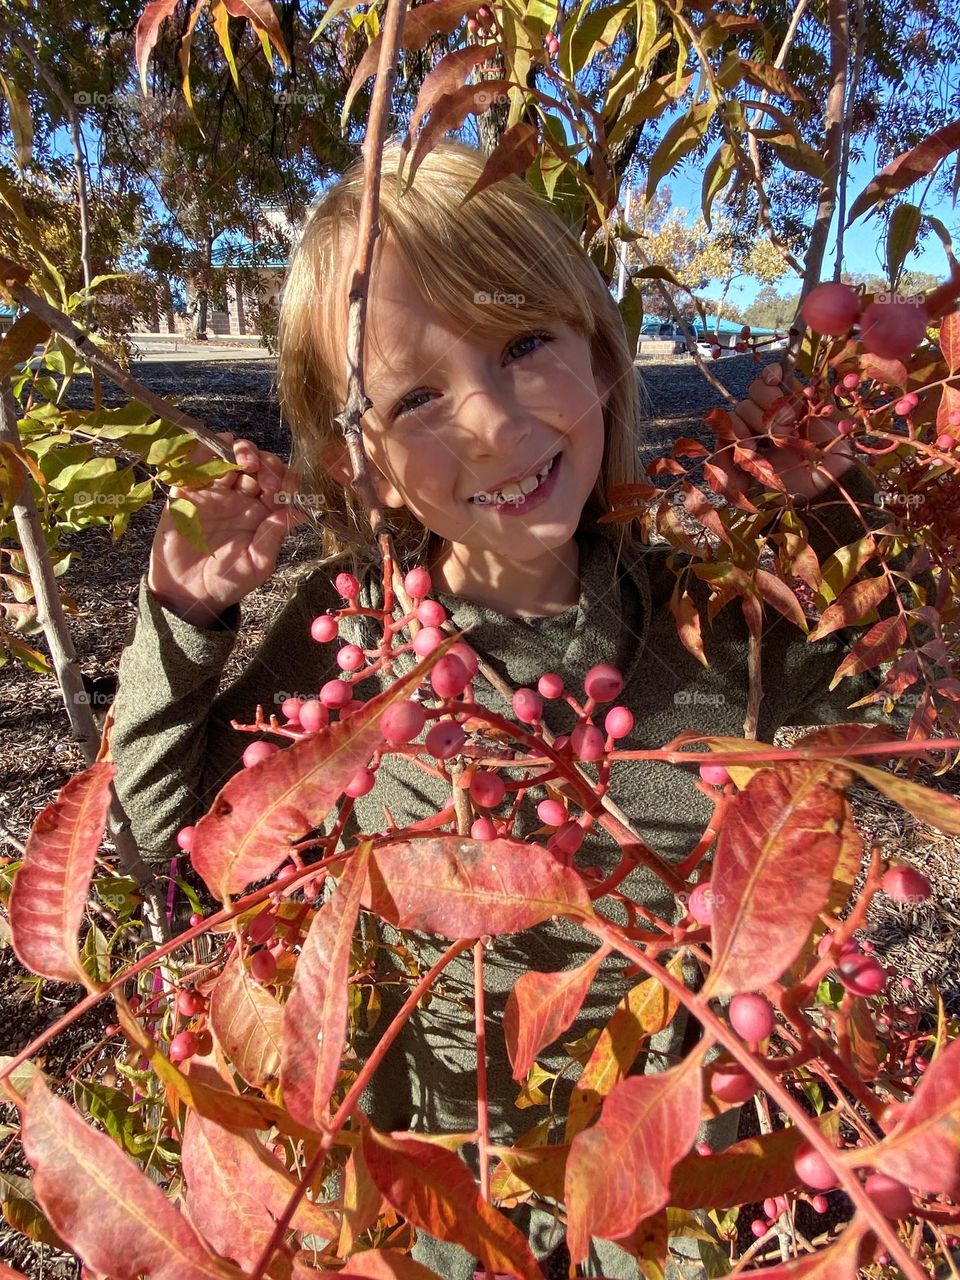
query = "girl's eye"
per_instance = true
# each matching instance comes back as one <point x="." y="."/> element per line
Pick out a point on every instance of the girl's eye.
<point x="519" y="345"/>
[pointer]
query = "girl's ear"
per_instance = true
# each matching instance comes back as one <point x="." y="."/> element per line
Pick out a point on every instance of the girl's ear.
<point x="336" y="462"/>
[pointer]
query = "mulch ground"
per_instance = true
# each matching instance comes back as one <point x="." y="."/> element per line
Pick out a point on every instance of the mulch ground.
<point x="38" y="755"/>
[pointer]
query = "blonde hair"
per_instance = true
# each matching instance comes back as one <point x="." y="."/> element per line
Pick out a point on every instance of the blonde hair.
<point x="506" y="240"/>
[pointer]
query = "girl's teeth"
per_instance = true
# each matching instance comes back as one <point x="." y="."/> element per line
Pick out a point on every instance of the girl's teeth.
<point x="528" y="485"/>
<point x="511" y="492"/>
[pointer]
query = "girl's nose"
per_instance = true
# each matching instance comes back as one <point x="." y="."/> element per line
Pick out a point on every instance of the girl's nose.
<point x="492" y="422"/>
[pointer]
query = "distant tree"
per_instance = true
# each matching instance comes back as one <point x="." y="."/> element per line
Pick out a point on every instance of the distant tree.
<point x="771" y="310"/>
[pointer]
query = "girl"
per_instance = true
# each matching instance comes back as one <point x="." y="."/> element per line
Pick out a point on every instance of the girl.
<point x="504" y="407"/>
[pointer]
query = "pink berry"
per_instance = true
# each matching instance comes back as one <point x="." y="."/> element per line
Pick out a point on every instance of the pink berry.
<point x="758" y="1227"/>
<point x="903" y="407"/>
<point x="290" y="709"/>
<point x="444" y="739"/>
<point x="449" y="677"/>
<point x="190" y="1003"/>
<point x="603" y="683"/>
<point x="891" y="1197"/>
<point x="466" y="656"/>
<point x="185" y="838"/>
<point x="566" y="839"/>
<point x="751" y="1016"/>
<point x="810" y="393"/>
<point x="347" y="585"/>
<point x="183" y="1046"/>
<point x="559" y="744"/>
<point x="904" y="884"/>
<point x="550" y="685"/>
<point x="314" y="716"/>
<point x="893" y="330"/>
<point x="350" y="658"/>
<point x="715" y="774"/>
<point x="813" y="1170"/>
<point x="402" y="721"/>
<point x="263" y="966"/>
<point x="701" y="902"/>
<point x="846" y="426"/>
<point x="851" y="381"/>
<point x="195" y="919"/>
<point x="258" y="751"/>
<point x="473" y="26"/>
<point x="335" y="694"/>
<point x="588" y="742"/>
<point x="527" y="706"/>
<point x="361" y="782"/>
<point x="431" y="613"/>
<point x="426" y="640"/>
<point x="483" y="829"/>
<point x="618" y="722"/>
<point x="704" y="1149"/>
<point x="261" y="928"/>
<point x="770" y="1208"/>
<point x="551" y="813"/>
<point x="324" y="628"/>
<point x="732" y="1084"/>
<point x="417" y="583"/>
<point x="819" y="1204"/>
<point x="487" y="789"/>
<point x="946" y="441"/>
<point x="860" y="974"/>
<point x="831" y="308"/>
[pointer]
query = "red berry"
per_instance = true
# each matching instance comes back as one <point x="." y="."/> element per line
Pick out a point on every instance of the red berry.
<point x="831" y="308"/>
<point x="758" y="1227"/>
<point x="335" y="694"/>
<point x="904" y="884"/>
<point x="258" y="751"/>
<point x="204" y="1043"/>
<point x="715" y="352"/>
<point x="732" y="1084"/>
<point x="861" y="974"/>
<point x="195" y="919"/>
<point x="444" y="739"/>
<point x="551" y="813"/>
<point x="483" y="829"/>
<point x="946" y="441"/>
<point x="449" y="677"/>
<point x="185" y="838"/>
<point x="603" y="683"/>
<point x="136" y="1003"/>
<point x="347" y="585"/>
<point x="487" y="789"/>
<point x="431" y="613"/>
<point x="361" y="782"/>
<point x="417" y="583"/>
<point x="701" y="902"/>
<point x="751" y="1016"/>
<point x="190" y="1003"/>
<point x="314" y="716"/>
<point x="704" y="1149"/>
<point x="466" y="656"/>
<point x="819" y="1204"/>
<point x="402" y="721"/>
<point x="893" y="330"/>
<point x="261" y="928"/>
<point x="588" y="742"/>
<point x="813" y="1170"/>
<point x="290" y="709"/>
<point x="618" y="722"/>
<point x="183" y="1046"/>
<point x="263" y="966"/>
<point x="350" y="658"/>
<point x="426" y="640"/>
<point x="527" y="706"/>
<point x="715" y="774"/>
<point x="324" y="628"/>
<point x="891" y="1197"/>
<point x="550" y="685"/>
<point x="851" y="381"/>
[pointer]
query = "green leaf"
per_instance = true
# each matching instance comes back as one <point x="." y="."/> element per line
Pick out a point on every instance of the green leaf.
<point x="679" y="140"/>
<point x="717" y="174"/>
<point x="112" y="1109"/>
<point x="901" y="239"/>
<point x="166" y="448"/>
<point x="95" y="955"/>
<point x="186" y="521"/>
<point x="80" y="475"/>
<point x="592" y="35"/>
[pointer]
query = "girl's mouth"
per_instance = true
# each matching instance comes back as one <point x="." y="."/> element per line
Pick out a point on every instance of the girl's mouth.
<point x="511" y="500"/>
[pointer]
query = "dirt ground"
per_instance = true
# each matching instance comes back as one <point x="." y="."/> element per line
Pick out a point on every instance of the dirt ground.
<point x="38" y="755"/>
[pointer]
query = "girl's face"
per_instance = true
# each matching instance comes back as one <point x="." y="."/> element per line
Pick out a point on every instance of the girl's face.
<point x="457" y="414"/>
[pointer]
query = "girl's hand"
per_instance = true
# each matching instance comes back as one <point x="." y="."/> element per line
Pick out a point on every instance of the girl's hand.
<point x="807" y="453"/>
<point x="245" y="517"/>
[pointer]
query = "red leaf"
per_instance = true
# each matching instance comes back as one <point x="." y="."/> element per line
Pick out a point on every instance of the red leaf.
<point x="704" y="512"/>
<point x="924" y="1149"/>
<point x="148" y="29"/>
<point x="236" y="1191"/>
<point x="884" y="369"/>
<point x="773" y="868"/>
<point x="514" y="154"/>
<point x="878" y="645"/>
<point x="839" y="1261"/>
<point x="950" y="340"/>
<point x="776" y="592"/>
<point x="452" y="109"/>
<point x="361" y="1204"/>
<point x="540" y="1007"/>
<point x="687" y="447"/>
<point x="117" y="1220"/>
<point x="261" y="811"/>
<point x="689" y="627"/>
<point x="449" y="74"/>
<point x="465" y="888"/>
<point x="647" y="1124"/>
<point x="853" y="605"/>
<point x="379" y="1264"/>
<point x="315" y="1015"/>
<point x="50" y="890"/>
<point x="949" y="404"/>
<point x="907" y="168"/>
<point x="263" y="18"/>
<point x="435" y="1191"/>
<point x="246" y="1019"/>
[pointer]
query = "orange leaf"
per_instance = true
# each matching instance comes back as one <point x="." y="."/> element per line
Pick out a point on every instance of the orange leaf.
<point x="696" y="503"/>
<point x="117" y="1220"/>
<point x="20" y="340"/>
<point x="262" y="17"/>
<point x="687" y="447"/>
<point x="466" y="888"/>
<point x="50" y="889"/>
<point x="648" y="1123"/>
<point x="449" y="74"/>
<point x="853" y="605"/>
<point x="315" y="1015"/>
<point x="879" y="644"/>
<point x="950" y="340"/>
<point x="689" y="628"/>
<point x="776" y="592"/>
<point x="514" y="154"/>
<point x="907" y="168"/>
<point x="379" y="1264"/>
<point x="246" y="1019"/>
<point x="540" y="1007"/>
<point x="435" y="1191"/>
<point x="839" y="1261"/>
<point x="540" y="1168"/>
<point x="148" y="29"/>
